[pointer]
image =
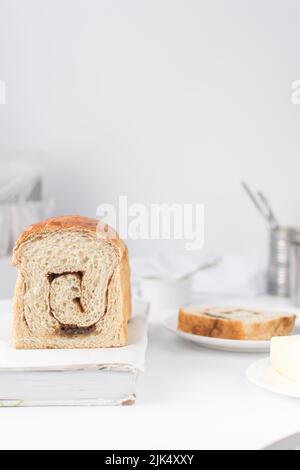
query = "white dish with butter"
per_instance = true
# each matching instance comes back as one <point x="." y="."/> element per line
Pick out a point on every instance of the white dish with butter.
<point x="280" y="373"/>
<point x="262" y="374"/>
<point x="285" y="357"/>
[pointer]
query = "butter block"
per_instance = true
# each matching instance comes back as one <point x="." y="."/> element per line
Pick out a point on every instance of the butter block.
<point x="285" y="356"/>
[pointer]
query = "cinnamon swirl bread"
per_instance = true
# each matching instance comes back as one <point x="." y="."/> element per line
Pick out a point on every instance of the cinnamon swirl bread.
<point x="73" y="288"/>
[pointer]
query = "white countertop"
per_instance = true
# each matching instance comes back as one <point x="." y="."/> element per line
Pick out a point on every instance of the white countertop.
<point x="190" y="398"/>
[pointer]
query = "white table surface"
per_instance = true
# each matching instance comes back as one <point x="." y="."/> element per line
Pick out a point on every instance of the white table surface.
<point x="190" y="398"/>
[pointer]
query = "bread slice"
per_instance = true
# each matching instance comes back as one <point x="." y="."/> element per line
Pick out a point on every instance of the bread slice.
<point x="235" y="323"/>
<point x="73" y="288"/>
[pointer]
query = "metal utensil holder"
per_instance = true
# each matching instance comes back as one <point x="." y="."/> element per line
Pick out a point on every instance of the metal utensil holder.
<point x="279" y="262"/>
<point x="295" y="268"/>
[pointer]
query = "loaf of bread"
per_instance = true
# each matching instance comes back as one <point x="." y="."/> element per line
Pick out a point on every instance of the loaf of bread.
<point x="73" y="288"/>
<point x="235" y="323"/>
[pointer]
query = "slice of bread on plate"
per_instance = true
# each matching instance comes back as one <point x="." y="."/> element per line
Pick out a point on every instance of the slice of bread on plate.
<point x="235" y="323"/>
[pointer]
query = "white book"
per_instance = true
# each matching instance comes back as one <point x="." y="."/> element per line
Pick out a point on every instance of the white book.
<point x="72" y="377"/>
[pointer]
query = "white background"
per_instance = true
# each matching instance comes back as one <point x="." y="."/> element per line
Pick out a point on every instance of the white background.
<point x="161" y="100"/>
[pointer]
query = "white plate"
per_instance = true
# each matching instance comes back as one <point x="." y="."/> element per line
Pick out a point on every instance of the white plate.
<point x="216" y="343"/>
<point x="263" y="375"/>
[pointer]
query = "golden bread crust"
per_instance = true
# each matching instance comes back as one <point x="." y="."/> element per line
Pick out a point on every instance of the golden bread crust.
<point x="70" y="222"/>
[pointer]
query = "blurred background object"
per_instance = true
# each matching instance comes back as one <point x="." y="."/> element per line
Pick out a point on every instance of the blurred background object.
<point x="22" y="203"/>
<point x="21" y="200"/>
<point x="164" y="276"/>
<point x="279" y="275"/>
<point x="295" y="267"/>
<point x="261" y="203"/>
<point x="279" y="270"/>
<point x="20" y="181"/>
